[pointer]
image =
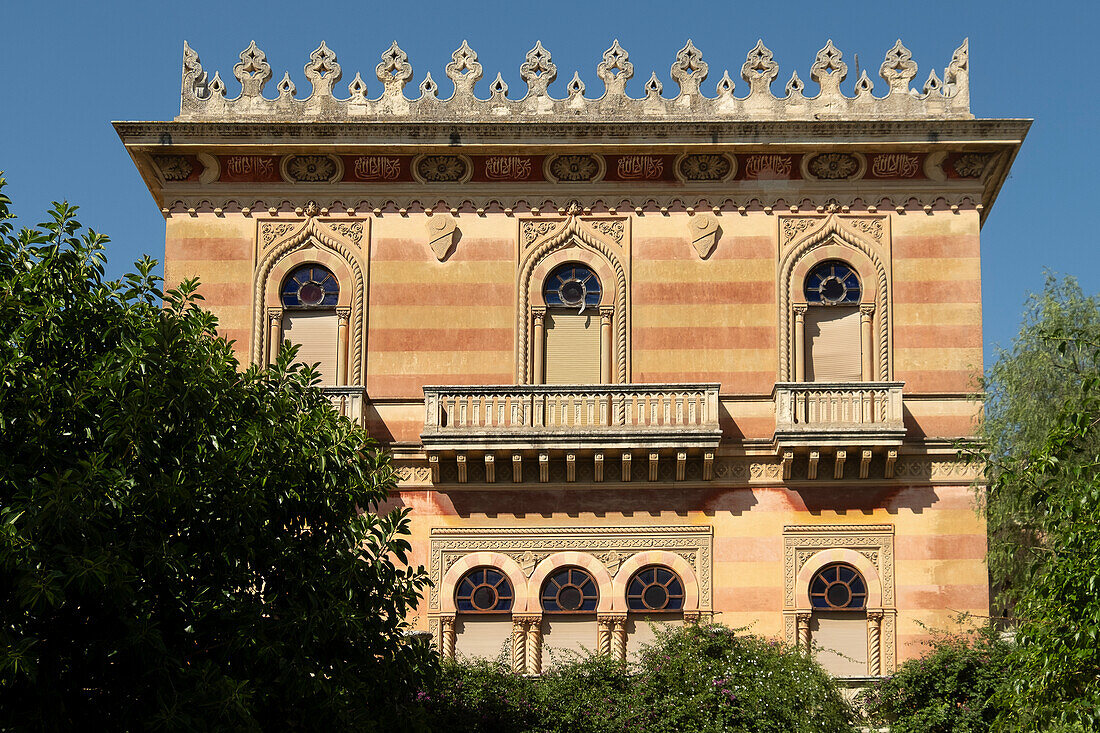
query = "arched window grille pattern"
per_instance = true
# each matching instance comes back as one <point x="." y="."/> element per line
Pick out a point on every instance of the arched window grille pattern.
<point x="484" y="590"/>
<point x="572" y="286"/>
<point x="838" y="587"/>
<point x="833" y="283"/>
<point x="310" y="286"/>
<point x="655" y="589"/>
<point x="570" y="590"/>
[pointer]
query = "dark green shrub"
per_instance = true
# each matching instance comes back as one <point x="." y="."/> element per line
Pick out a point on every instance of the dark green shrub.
<point x="949" y="690"/>
<point x="698" y="678"/>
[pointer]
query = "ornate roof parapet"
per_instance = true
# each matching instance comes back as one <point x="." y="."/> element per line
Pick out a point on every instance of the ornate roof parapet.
<point x="204" y="100"/>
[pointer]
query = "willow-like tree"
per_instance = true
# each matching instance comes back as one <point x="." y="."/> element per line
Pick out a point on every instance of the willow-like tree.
<point x="183" y="545"/>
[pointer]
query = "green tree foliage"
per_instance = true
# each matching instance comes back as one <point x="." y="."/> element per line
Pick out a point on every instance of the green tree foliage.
<point x="1054" y="680"/>
<point x="703" y="679"/>
<point x="1025" y="390"/>
<point x="181" y="543"/>
<point x="950" y="690"/>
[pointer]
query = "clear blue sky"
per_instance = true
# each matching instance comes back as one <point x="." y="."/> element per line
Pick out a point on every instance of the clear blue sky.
<point x="71" y="68"/>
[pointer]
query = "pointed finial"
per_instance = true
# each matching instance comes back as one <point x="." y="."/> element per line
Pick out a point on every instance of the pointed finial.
<point x="322" y="71"/>
<point x="286" y="87"/>
<point x="252" y="71"/>
<point x="725" y="84"/>
<point x="194" y="78"/>
<point x="575" y="87"/>
<point x="653" y="87"/>
<point x="795" y="85"/>
<point x="933" y="85"/>
<point x="864" y="85"/>
<point x="428" y="88"/>
<point x="464" y="69"/>
<point x="898" y="69"/>
<point x="828" y="69"/>
<point x="394" y="71"/>
<point x="759" y="69"/>
<point x="538" y="71"/>
<point x="499" y="88"/>
<point x="358" y="87"/>
<point x="689" y="70"/>
<point x="615" y="70"/>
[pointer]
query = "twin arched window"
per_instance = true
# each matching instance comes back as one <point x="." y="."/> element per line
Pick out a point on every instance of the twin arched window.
<point x="569" y="590"/>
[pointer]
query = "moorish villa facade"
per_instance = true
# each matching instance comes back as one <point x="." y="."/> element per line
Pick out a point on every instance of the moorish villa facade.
<point x="690" y="356"/>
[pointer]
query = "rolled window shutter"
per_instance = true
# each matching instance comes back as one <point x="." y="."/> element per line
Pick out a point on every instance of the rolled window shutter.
<point x="566" y="636"/>
<point x="641" y="630"/>
<point x="572" y="348"/>
<point x="482" y="637"/>
<point x="840" y="640"/>
<point x="316" y="333"/>
<point x="833" y="341"/>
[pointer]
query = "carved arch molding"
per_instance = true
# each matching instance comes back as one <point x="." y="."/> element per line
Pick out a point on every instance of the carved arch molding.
<point x="608" y="239"/>
<point x="611" y="546"/>
<point x="348" y="241"/>
<point x="801" y="237"/>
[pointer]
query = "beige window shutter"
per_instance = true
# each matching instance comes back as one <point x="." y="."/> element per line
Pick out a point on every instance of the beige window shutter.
<point x="641" y="630"/>
<point x="316" y="332"/>
<point x="567" y="635"/>
<point x="482" y="637"/>
<point x="840" y="642"/>
<point x="572" y="347"/>
<point x="833" y="343"/>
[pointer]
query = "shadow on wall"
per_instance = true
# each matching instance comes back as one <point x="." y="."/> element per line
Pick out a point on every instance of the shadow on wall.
<point x="632" y="502"/>
<point x="856" y="499"/>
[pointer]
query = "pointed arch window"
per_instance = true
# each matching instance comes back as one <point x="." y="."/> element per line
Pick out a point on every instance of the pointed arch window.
<point x="573" y="327"/>
<point x="309" y="295"/>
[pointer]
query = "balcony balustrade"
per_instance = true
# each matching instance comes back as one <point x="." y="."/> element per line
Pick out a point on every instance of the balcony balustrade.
<point x="839" y="413"/>
<point x="348" y="401"/>
<point x="571" y="417"/>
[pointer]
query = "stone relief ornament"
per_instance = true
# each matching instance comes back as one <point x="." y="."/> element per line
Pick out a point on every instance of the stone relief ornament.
<point x="312" y="168"/>
<point x="203" y="100"/>
<point x="972" y="165"/>
<point x="533" y="230"/>
<point x="442" y="169"/>
<point x="269" y="232"/>
<point x="173" y="167"/>
<point x="870" y="227"/>
<point x="350" y="230"/>
<point x="835" y="166"/>
<point x="792" y="227"/>
<point x="610" y="228"/>
<point x="575" y="168"/>
<point x="705" y="167"/>
<point x="442" y="235"/>
<point x="703" y="230"/>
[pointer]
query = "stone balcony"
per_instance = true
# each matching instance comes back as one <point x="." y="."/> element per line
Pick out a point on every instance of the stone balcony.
<point x="838" y="418"/>
<point x="348" y="401"/>
<point x="571" y="420"/>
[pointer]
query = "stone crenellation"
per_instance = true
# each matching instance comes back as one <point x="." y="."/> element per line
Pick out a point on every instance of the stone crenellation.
<point x="203" y="99"/>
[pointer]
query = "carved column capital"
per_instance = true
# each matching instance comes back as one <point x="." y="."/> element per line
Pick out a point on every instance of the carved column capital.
<point x="867" y="310"/>
<point x="274" y="315"/>
<point x="343" y="314"/>
<point x="538" y="312"/>
<point x="606" y="313"/>
<point x="799" y="310"/>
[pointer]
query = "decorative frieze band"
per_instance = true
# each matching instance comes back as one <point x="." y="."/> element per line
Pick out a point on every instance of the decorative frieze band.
<point x="745" y="471"/>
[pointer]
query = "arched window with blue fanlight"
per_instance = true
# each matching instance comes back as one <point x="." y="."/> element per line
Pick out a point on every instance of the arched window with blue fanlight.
<point x="573" y="286"/>
<point x="572" y="349"/>
<point x="655" y="588"/>
<point x="833" y="343"/>
<point x="311" y="286"/>
<point x="484" y="590"/>
<point x="309" y="295"/>
<point x="570" y="590"/>
<point x="838" y="622"/>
